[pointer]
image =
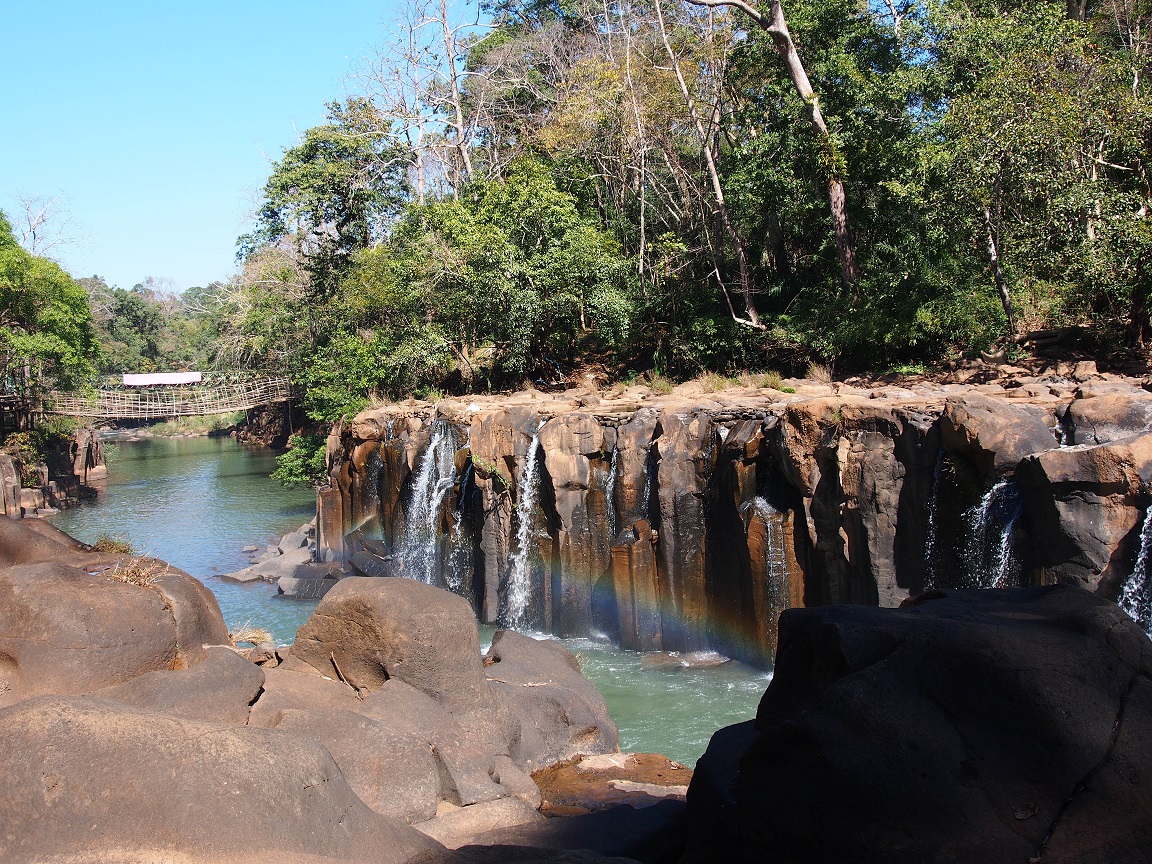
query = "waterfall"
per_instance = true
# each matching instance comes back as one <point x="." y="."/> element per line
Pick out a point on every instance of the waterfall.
<point x="519" y="591"/>
<point x="610" y="495"/>
<point x="775" y="563"/>
<point x="930" y="532"/>
<point x="991" y="522"/>
<point x="459" y="552"/>
<point x="1136" y="595"/>
<point x="434" y="480"/>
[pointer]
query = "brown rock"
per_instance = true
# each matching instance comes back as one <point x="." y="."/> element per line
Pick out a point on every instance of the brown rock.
<point x="461" y="827"/>
<point x="995" y="434"/>
<point x="285" y="689"/>
<point x="219" y="689"/>
<point x="369" y="630"/>
<point x="65" y="630"/>
<point x="159" y="788"/>
<point x="393" y="773"/>
<point x="948" y="730"/>
<point x="1083" y="508"/>
<point x="590" y="783"/>
<point x="561" y="714"/>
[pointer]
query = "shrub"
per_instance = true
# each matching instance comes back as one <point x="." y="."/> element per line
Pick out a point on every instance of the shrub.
<point x="303" y="463"/>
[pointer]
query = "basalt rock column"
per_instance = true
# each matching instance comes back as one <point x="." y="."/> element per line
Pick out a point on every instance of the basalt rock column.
<point x="499" y="442"/>
<point x="685" y="469"/>
<point x="577" y="456"/>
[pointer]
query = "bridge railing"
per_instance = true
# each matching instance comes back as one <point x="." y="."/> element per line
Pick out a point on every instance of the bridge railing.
<point x="153" y="403"/>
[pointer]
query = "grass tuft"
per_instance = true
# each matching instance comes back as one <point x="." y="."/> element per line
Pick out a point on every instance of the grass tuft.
<point x="139" y="571"/>
<point x="115" y="545"/>
<point x="248" y="634"/>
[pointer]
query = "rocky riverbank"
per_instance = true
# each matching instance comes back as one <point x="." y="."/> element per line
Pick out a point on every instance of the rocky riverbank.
<point x="969" y="726"/>
<point x="383" y="732"/>
<point x="689" y="520"/>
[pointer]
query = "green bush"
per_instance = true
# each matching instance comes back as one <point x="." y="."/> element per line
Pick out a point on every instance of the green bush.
<point x="303" y="463"/>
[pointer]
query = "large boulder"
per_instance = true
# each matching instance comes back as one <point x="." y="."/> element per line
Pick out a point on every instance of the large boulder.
<point x="995" y="434"/>
<point x="393" y="773"/>
<point x="466" y="760"/>
<point x="1083" y="508"/>
<point x="1109" y="417"/>
<point x="367" y="631"/>
<point x="86" y="780"/>
<point x="219" y="688"/>
<point x="288" y="689"/>
<point x="561" y="713"/>
<point x="64" y="629"/>
<point x="974" y="726"/>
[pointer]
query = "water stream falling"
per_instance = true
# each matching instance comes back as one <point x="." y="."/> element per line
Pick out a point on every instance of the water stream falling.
<point x="459" y="550"/>
<point x="775" y="563"/>
<point x="420" y="548"/>
<point x="930" y="531"/>
<point x="990" y="560"/>
<point x="519" y="593"/>
<point x="1136" y="595"/>
<point x="610" y="495"/>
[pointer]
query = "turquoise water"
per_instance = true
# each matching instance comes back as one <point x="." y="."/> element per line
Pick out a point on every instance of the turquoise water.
<point x="196" y="502"/>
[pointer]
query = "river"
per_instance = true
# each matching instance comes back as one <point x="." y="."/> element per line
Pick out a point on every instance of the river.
<point x="197" y="502"/>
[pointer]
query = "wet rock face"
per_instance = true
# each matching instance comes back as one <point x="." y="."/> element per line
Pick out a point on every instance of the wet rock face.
<point x="690" y="522"/>
<point x="948" y="730"/>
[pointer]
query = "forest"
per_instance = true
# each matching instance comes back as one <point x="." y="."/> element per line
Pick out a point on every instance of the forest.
<point x="514" y="192"/>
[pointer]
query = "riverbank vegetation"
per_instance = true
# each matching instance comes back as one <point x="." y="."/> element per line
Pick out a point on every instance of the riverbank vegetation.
<point x="688" y="187"/>
<point x="525" y="191"/>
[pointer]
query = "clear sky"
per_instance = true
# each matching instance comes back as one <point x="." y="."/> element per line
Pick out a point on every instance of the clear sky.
<point x="156" y="120"/>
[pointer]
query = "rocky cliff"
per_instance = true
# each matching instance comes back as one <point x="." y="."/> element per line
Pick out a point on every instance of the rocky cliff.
<point x="690" y="520"/>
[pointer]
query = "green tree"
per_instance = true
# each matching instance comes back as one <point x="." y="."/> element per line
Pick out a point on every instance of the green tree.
<point x="46" y="338"/>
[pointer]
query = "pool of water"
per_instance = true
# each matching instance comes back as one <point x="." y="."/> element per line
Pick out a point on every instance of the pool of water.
<point x="197" y="502"/>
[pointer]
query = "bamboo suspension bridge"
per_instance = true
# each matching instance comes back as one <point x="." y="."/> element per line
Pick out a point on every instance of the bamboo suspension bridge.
<point x="156" y="397"/>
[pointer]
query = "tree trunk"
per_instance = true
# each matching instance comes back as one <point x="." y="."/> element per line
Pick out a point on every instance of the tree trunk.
<point x="777" y="27"/>
<point x="753" y="319"/>
<point x="998" y="273"/>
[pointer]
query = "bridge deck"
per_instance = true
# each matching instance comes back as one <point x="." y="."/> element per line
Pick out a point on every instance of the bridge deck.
<point x="159" y="402"/>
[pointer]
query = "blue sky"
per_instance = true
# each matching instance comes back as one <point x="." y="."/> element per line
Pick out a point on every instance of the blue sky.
<point x="156" y="120"/>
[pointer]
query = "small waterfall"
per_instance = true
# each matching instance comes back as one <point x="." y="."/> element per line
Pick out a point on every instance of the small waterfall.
<point x="435" y="479"/>
<point x="519" y="591"/>
<point x="775" y="563"/>
<point x="930" y="532"/>
<point x="610" y="495"/>
<point x="991" y="522"/>
<point x="459" y="551"/>
<point x="1136" y="595"/>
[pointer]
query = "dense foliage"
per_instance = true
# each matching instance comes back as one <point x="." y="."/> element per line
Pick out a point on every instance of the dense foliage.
<point x="667" y="185"/>
<point x="648" y="185"/>
<point x="46" y="337"/>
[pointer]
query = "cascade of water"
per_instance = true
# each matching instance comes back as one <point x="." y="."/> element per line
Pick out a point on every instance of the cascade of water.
<point x="775" y="564"/>
<point x="991" y="522"/>
<point x="1136" y="595"/>
<point x="459" y="554"/>
<point x="930" y="532"/>
<point x="519" y="591"/>
<point x="610" y="495"/>
<point x="434" y="480"/>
